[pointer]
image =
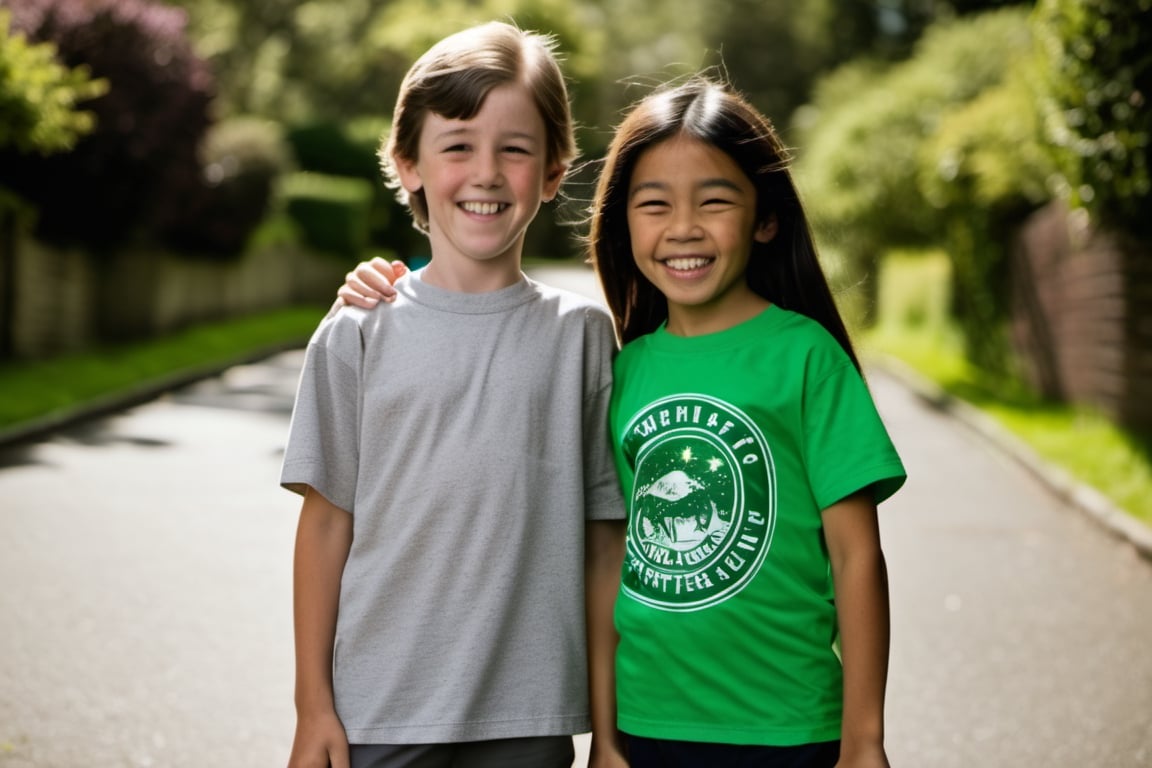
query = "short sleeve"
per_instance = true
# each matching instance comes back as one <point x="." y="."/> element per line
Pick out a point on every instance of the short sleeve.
<point x="323" y="439"/>
<point x="846" y="445"/>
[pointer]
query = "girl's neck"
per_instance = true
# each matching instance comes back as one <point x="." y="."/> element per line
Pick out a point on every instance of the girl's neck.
<point x="688" y="320"/>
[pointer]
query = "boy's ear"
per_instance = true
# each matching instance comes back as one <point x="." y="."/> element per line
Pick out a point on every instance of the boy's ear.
<point x="766" y="230"/>
<point x="408" y="173"/>
<point x="552" y="180"/>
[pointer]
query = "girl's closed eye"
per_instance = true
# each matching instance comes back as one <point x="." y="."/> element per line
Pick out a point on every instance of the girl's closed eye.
<point x="650" y="204"/>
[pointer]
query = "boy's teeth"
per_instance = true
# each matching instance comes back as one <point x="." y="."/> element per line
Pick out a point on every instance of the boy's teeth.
<point x="686" y="263"/>
<point x="484" y="209"/>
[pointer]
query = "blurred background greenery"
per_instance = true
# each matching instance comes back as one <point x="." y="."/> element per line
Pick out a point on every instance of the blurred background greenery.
<point x="977" y="171"/>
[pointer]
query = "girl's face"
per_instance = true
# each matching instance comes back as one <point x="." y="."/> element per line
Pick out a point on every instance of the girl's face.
<point x="692" y="222"/>
<point x="484" y="179"/>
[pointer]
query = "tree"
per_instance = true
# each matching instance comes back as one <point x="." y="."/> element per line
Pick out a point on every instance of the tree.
<point x="39" y="97"/>
<point x="1098" y="56"/>
<point x="39" y="114"/>
<point x="127" y="176"/>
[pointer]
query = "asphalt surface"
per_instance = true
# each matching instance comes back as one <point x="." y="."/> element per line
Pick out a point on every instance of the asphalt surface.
<point x="145" y="594"/>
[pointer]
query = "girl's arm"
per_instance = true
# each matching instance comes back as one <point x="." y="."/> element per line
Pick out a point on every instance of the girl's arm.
<point x="323" y="538"/>
<point x="861" y="581"/>
<point x="603" y="559"/>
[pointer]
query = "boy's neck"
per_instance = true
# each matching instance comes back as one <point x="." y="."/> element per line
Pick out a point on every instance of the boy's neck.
<point x="467" y="276"/>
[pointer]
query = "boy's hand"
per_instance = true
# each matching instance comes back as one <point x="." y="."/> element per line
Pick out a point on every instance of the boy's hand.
<point x="371" y="282"/>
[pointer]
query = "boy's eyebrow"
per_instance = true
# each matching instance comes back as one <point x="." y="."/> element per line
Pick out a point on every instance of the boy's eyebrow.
<point x="462" y="130"/>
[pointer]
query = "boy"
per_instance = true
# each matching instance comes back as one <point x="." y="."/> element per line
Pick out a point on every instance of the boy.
<point x="459" y="492"/>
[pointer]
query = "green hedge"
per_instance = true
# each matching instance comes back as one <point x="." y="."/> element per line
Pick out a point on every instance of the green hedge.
<point x="333" y="212"/>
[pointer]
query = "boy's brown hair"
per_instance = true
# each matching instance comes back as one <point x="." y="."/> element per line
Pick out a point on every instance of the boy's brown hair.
<point x="452" y="80"/>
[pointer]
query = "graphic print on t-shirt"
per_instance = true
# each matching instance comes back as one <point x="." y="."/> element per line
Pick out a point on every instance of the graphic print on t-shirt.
<point x="696" y="536"/>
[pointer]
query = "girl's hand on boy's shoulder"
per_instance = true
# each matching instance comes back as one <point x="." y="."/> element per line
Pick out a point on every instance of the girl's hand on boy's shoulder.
<point x="370" y="282"/>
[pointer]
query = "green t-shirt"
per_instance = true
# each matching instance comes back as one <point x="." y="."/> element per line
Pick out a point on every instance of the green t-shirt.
<point x="728" y="447"/>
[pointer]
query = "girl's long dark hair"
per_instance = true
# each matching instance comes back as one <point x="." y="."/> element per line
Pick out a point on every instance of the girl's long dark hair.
<point x="785" y="270"/>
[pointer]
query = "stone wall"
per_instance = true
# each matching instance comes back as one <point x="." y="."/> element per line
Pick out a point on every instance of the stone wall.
<point x="1082" y="315"/>
<point x="67" y="300"/>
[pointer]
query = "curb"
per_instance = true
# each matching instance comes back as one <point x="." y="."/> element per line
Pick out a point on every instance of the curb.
<point x="107" y="405"/>
<point x="1084" y="498"/>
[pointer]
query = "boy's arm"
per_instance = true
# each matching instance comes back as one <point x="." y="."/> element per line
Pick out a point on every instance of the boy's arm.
<point x="323" y="539"/>
<point x="852" y="532"/>
<point x="369" y="283"/>
<point x="603" y="559"/>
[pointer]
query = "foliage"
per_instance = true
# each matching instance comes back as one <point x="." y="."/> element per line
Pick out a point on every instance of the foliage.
<point x="332" y="211"/>
<point x="130" y="175"/>
<point x="243" y="159"/>
<point x="986" y="169"/>
<point x="862" y="135"/>
<point x="350" y="148"/>
<point x="39" y="98"/>
<point x="1098" y="56"/>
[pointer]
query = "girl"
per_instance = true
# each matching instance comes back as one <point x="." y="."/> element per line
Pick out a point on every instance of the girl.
<point x="752" y="613"/>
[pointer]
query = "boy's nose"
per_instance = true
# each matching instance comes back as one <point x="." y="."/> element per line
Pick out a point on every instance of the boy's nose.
<point x="486" y="170"/>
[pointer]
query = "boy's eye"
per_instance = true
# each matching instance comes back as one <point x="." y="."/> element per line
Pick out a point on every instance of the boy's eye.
<point x="715" y="202"/>
<point x="517" y="150"/>
<point x="456" y="148"/>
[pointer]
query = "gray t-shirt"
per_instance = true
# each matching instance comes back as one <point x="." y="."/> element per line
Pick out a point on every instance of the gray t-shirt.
<point x="468" y="436"/>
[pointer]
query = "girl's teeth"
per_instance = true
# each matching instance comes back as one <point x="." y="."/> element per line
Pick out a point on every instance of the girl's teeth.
<point x="484" y="209"/>
<point x="686" y="264"/>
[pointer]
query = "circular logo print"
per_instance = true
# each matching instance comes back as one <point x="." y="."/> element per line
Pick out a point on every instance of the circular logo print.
<point x="694" y="537"/>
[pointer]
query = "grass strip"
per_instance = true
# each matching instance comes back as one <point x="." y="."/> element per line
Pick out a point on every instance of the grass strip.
<point x="40" y="389"/>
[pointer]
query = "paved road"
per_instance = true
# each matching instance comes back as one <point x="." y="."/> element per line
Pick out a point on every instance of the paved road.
<point x="145" y="596"/>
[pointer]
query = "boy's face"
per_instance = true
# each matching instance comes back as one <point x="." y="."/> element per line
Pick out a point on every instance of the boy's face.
<point x="483" y="179"/>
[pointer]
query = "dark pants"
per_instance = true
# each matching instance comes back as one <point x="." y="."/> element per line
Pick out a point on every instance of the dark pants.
<point x="536" y="752"/>
<point x="663" y="753"/>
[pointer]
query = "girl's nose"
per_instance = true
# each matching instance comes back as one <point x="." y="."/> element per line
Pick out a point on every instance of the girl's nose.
<point x="683" y="226"/>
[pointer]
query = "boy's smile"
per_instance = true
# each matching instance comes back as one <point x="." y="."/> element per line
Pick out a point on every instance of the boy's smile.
<point x="692" y="223"/>
<point x="483" y="180"/>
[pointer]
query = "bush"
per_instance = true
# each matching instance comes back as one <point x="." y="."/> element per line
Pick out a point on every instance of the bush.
<point x="351" y="149"/>
<point x="243" y="158"/>
<point x="39" y="97"/>
<point x="332" y="211"/>
<point x="132" y="174"/>
<point x="1097" y="89"/>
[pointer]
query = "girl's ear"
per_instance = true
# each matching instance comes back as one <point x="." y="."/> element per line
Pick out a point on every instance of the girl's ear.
<point x="766" y="230"/>
<point x="408" y="173"/>
<point x="552" y="180"/>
